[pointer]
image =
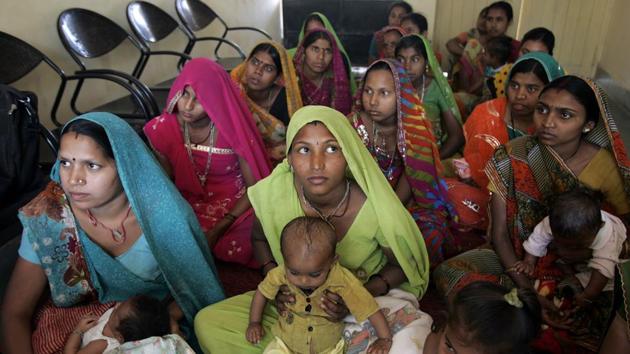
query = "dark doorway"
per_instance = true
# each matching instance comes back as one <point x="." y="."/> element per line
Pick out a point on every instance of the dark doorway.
<point x="354" y="20"/>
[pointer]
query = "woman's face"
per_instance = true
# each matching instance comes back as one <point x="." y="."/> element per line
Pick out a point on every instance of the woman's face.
<point x="313" y="24"/>
<point x="317" y="160"/>
<point x="395" y="15"/>
<point x="390" y="40"/>
<point x="410" y="27"/>
<point x="318" y="56"/>
<point x="379" y="95"/>
<point x="413" y="61"/>
<point x="522" y="93"/>
<point x="189" y="109"/>
<point x="261" y="71"/>
<point x="496" y="22"/>
<point x="532" y="46"/>
<point x="89" y="177"/>
<point x="560" y="118"/>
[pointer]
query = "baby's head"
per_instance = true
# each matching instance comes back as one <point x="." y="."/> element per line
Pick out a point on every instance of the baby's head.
<point x="308" y="248"/>
<point x="488" y="318"/>
<point x="497" y="51"/>
<point x="575" y="218"/>
<point x="138" y="318"/>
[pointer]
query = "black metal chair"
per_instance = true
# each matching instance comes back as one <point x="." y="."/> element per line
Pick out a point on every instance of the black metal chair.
<point x="150" y="24"/>
<point x="87" y="34"/>
<point x="18" y="58"/>
<point x="196" y="15"/>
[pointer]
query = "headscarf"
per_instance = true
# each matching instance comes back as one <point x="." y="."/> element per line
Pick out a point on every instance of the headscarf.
<point x="340" y="95"/>
<point x="397" y="226"/>
<point x="329" y="27"/>
<point x="549" y="63"/>
<point x="167" y="221"/>
<point x="439" y="79"/>
<point x="416" y="144"/>
<point x="271" y="128"/>
<point x="222" y="102"/>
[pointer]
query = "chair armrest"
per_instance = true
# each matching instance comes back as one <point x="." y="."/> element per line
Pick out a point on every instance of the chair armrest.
<point x="241" y="28"/>
<point x="226" y="41"/>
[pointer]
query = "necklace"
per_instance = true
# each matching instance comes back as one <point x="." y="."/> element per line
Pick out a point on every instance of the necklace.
<point x="422" y="95"/>
<point x="117" y="236"/>
<point x="574" y="152"/>
<point x="382" y="150"/>
<point x="204" y="139"/>
<point x="202" y="176"/>
<point x="327" y="218"/>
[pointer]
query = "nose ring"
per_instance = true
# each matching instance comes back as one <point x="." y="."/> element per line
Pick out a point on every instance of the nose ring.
<point x="80" y="181"/>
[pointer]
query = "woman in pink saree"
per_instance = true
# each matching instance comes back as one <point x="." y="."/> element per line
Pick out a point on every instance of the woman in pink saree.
<point x="207" y="142"/>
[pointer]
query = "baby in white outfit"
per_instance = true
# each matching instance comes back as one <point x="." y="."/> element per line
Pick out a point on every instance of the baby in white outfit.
<point x="137" y="318"/>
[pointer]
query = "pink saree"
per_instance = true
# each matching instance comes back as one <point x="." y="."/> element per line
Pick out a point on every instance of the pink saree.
<point x="237" y="137"/>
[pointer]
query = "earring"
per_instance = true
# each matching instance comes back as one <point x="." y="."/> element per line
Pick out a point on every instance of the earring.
<point x="586" y="130"/>
<point x="291" y="168"/>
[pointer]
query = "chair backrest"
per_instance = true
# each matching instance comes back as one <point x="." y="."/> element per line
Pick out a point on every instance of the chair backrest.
<point x="148" y="22"/>
<point x="88" y="34"/>
<point x="17" y="58"/>
<point x="195" y="15"/>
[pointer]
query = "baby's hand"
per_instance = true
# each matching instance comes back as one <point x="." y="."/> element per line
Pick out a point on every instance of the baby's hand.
<point x="380" y="346"/>
<point x="255" y="332"/>
<point x="524" y="267"/>
<point x="86" y="323"/>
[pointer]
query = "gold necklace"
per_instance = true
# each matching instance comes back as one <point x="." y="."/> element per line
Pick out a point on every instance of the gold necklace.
<point x="201" y="176"/>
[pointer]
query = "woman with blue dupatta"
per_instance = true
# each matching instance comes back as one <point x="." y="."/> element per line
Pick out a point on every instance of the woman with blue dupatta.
<point x="109" y="226"/>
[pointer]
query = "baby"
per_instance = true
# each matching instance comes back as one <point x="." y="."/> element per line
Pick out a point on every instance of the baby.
<point x="575" y="227"/>
<point x="311" y="268"/>
<point x="137" y="318"/>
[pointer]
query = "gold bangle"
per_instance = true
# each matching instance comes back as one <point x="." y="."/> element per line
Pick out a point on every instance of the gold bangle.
<point x="231" y="217"/>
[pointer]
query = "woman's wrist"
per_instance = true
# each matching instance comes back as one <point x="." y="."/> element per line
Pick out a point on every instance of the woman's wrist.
<point x="231" y="218"/>
<point x="267" y="266"/>
<point x="383" y="281"/>
<point x="77" y="332"/>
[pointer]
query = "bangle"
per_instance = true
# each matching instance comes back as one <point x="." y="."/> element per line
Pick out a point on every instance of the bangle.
<point x="380" y="276"/>
<point x="230" y="217"/>
<point x="388" y="339"/>
<point x="78" y="332"/>
<point x="262" y="267"/>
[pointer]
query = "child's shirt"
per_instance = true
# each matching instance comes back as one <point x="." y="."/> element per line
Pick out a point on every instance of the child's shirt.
<point x="606" y="246"/>
<point x="306" y="327"/>
<point x="96" y="333"/>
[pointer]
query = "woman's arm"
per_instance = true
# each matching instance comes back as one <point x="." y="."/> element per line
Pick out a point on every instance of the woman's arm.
<point x="261" y="248"/>
<point x="455" y="47"/>
<point x="403" y="190"/>
<point x="166" y="165"/>
<point x="455" y="139"/>
<point x="241" y="206"/>
<point x="501" y="242"/>
<point x="390" y="277"/>
<point x="26" y="286"/>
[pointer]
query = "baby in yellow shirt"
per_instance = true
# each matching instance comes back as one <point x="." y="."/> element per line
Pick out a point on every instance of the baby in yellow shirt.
<point x="310" y="268"/>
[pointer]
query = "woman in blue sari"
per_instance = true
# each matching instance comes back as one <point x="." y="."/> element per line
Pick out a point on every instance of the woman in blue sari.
<point x="109" y="226"/>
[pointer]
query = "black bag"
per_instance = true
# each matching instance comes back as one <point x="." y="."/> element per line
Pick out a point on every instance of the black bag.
<point x="20" y="176"/>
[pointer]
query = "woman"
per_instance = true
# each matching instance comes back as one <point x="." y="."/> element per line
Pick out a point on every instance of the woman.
<point x="494" y="123"/>
<point x="321" y="72"/>
<point x="386" y="40"/>
<point x="329" y="174"/>
<point x="268" y="83"/>
<point x="317" y="20"/>
<point x="538" y="39"/>
<point x="397" y="10"/>
<point x="108" y="227"/>
<point x="416" y="55"/>
<point x="391" y="123"/>
<point x="576" y="144"/>
<point x="208" y="144"/>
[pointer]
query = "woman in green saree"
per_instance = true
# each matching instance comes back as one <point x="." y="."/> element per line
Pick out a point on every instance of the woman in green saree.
<point x="333" y="177"/>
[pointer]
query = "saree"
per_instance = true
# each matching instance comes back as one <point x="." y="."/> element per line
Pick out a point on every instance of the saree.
<point x="237" y="137"/>
<point x="527" y="174"/>
<point x="359" y="251"/>
<point x="272" y="129"/>
<point x="486" y="129"/>
<point x="83" y="278"/>
<point x="334" y="90"/>
<point x="329" y="27"/>
<point x="439" y="96"/>
<point x="420" y="157"/>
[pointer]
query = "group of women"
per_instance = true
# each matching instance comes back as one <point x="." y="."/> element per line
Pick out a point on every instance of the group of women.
<point x="234" y="158"/>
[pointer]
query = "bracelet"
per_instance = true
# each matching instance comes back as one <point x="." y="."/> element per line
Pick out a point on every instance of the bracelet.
<point x="230" y="217"/>
<point x="380" y="276"/>
<point x="262" y="267"/>
<point x="77" y="332"/>
<point x="388" y="339"/>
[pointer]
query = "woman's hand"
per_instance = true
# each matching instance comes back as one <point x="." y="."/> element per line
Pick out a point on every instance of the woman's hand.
<point x="213" y="235"/>
<point x="176" y="314"/>
<point x="552" y="316"/>
<point x="334" y="306"/>
<point x="380" y="346"/>
<point x="283" y="297"/>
